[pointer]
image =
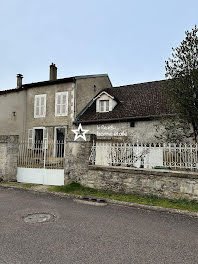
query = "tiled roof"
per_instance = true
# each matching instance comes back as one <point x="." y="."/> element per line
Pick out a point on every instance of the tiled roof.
<point x="137" y="101"/>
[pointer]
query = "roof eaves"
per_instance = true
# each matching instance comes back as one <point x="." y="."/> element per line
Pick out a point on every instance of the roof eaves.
<point x="90" y="76"/>
<point x="124" y="119"/>
<point x="49" y="82"/>
<point x="38" y="84"/>
<point x="14" y="90"/>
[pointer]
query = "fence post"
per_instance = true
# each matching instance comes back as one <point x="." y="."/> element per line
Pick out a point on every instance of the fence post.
<point x="45" y="147"/>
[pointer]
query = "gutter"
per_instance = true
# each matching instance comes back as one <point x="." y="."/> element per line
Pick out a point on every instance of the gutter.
<point x="124" y="119"/>
<point x="75" y="89"/>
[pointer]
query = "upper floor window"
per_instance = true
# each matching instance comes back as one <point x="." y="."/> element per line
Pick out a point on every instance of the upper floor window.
<point x="61" y="104"/>
<point x="104" y="105"/>
<point x="40" y="105"/>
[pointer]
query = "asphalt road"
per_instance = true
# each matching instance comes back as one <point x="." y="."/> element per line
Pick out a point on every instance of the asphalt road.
<point x="87" y="234"/>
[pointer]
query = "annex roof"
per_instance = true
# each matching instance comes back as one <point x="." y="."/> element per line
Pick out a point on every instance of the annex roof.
<point x="137" y="101"/>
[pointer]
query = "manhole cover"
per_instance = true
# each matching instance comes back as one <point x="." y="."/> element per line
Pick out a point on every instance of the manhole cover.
<point x="38" y="218"/>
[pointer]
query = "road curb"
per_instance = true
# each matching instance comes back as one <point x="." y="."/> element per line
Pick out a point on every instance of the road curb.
<point x="109" y="201"/>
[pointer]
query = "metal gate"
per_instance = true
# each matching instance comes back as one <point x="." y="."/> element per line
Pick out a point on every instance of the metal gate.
<point x="41" y="162"/>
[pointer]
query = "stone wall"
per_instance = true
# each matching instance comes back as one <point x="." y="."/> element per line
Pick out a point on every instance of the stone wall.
<point x="166" y="183"/>
<point x="8" y="157"/>
<point x="170" y="184"/>
<point x="77" y="158"/>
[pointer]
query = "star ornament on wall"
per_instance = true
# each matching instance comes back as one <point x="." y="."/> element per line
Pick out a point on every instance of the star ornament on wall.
<point x="80" y="133"/>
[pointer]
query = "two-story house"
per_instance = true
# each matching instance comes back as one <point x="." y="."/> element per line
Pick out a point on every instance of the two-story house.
<point x="46" y="110"/>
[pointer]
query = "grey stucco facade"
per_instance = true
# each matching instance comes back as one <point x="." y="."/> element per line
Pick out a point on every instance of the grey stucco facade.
<point x="88" y="88"/>
<point x="50" y="120"/>
<point x="13" y="113"/>
<point x="142" y="131"/>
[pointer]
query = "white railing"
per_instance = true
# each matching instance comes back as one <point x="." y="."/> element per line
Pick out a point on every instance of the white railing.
<point x="174" y="156"/>
<point x="47" y="155"/>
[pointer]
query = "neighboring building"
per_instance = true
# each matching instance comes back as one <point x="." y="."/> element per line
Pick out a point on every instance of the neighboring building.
<point x="47" y="110"/>
<point x="130" y="112"/>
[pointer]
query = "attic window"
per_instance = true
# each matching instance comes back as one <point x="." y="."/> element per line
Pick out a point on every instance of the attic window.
<point x="104" y="105"/>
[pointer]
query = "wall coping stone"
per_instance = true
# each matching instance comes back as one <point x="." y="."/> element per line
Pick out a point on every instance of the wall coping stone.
<point x="154" y="172"/>
<point x="89" y="138"/>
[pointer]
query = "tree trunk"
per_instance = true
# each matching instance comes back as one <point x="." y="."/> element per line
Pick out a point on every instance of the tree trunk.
<point x="195" y="128"/>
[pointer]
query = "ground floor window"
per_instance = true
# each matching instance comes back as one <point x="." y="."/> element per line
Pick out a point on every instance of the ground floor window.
<point x="38" y="138"/>
<point x="59" y="141"/>
<point x="53" y="138"/>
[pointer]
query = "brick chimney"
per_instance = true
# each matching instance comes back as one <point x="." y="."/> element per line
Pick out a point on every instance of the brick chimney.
<point x="53" y="72"/>
<point x="19" y="80"/>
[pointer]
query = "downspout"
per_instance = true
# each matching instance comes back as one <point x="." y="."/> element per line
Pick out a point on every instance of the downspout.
<point x="24" y="118"/>
<point x="75" y="92"/>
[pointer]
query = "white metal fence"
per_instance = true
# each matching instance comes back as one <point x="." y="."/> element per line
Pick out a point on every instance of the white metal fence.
<point x="173" y="156"/>
<point x="47" y="155"/>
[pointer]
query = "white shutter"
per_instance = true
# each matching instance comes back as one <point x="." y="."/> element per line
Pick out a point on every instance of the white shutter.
<point x="36" y="106"/>
<point x="58" y="110"/>
<point x="30" y="138"/>
<point x="61" y="105"/>
<point x="65" y="104"/>
<point x="59" y="99"/>
<point x="58" y="104"/>
<point x="40" y="105"/>
<point x="43" y="106"/>
<point x="45" y="138"/>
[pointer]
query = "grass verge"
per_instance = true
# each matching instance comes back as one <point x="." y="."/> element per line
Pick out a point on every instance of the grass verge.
<point x="24" y="185"/>
<point x="154" y="200"/>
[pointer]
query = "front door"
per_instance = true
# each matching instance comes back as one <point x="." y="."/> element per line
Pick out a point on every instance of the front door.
<point x="59" y="141"/>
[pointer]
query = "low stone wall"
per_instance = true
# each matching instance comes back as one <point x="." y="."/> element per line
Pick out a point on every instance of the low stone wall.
<point x="164" y="183"/>
<point x="170" y="184"/>
<point x="8" y="157"/>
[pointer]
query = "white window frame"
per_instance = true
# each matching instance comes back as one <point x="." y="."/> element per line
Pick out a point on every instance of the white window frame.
<point x="40" y="96"/>
<point x="105" y="106"/>
<point x="55" y="135"/>
<point x="61" y="104"/>
<point x="31" y="140"/>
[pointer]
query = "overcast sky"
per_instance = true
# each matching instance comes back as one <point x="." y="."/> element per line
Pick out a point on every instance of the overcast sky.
<point x="128" y="39"/>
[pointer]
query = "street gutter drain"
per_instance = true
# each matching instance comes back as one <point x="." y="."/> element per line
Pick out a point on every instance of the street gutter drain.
<point x="38" y="218"/>
<point x="95" y="200"/>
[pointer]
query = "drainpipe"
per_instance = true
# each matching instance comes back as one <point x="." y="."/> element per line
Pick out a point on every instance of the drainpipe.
<point x="75" y="92"/>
